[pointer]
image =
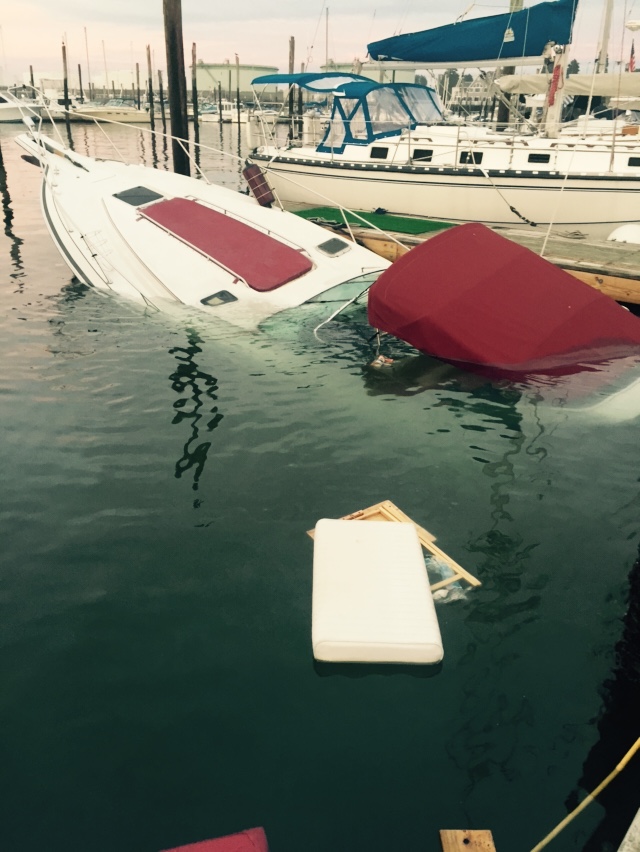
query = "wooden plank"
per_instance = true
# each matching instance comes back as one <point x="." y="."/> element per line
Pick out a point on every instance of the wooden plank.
<point x="388" y="511"/>
<point x="613" y="268"/>
<point x="470" y="840"/>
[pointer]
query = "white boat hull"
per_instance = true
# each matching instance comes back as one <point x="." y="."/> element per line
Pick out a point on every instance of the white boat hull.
<point x="124" y="116"/>
<point x="112" y="244"/>
<point x="13" y="114"/>
<point x="591" y="204"/>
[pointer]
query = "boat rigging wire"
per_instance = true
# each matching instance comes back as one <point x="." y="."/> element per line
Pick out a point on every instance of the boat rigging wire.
<point x="339" y="311"/>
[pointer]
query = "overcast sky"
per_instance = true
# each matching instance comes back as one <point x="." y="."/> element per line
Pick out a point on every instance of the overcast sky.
<point x="258" y="31"/>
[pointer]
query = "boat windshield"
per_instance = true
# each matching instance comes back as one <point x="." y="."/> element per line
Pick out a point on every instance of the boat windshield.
<point x="422" y="104"/>
<point x="364" y="112"/>
<point x="348" y="289"/>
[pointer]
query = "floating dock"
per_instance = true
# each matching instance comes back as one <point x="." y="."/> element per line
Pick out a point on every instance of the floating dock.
<point x="611" y="267"/>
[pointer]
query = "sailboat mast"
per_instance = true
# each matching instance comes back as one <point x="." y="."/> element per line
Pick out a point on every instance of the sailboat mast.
<point x="503" y="106"/>
<point x="326" y="39"/>
<point x="601" y="61"/>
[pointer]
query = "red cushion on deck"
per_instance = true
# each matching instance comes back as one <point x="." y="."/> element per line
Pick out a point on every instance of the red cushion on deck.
<point x="251" y="840"/>
<point x="262" y="261"/>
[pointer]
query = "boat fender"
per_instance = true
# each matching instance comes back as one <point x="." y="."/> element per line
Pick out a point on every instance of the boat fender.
<point x="556" y="83"/>
<point x="258" y="185"/>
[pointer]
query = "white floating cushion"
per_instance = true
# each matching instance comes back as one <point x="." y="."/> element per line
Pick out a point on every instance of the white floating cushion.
<point x="371" y="597"/>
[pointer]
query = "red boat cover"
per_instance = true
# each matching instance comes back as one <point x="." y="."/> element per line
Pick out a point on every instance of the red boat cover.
<point x="262" y="261"/>
<point x="471" y="295"/>
<point x="251" y="840"/>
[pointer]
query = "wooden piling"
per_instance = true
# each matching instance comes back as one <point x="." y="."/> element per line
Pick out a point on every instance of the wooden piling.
<point x="138" y="84"/>
<point x="80" y="93"/>
<point x="150" y="89"/>
<point x="219" y="101"/>
<point x="300" y="104"/>
<point x="194" y="95"/>
<point x="292" y="52"/>
<point x="238" y="88"/>
<point x="177" y="85"/>
<point x="65" y="88"/>
<point x="31" y="77"/>
<point x="163" y="114"/>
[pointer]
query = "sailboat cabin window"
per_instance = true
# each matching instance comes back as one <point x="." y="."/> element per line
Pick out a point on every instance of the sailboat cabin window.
<point x="470" y="158"/>
<point x="634" y="161"/>
<point x="423" y="154"/>
<point x="379" y="153"/>
<point x="539" y="158"/>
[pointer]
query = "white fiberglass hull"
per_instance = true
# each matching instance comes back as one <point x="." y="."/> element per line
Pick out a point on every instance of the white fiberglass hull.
<point x="592" y="204"/>
<point x="13" y="114"/>
<point x="125" y="116"/>
<point x="108" y="240"/>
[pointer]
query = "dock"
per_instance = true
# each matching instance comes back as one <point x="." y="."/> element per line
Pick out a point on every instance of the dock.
<point x="611" y="267"/>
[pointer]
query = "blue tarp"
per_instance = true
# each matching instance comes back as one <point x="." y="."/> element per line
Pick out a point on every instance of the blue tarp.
<point x="509" y="36"/>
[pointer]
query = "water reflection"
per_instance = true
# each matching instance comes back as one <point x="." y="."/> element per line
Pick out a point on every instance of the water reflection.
<point x="618" y="727"/>
<point x="15" y="242"/>
<point x="197" y="390"/>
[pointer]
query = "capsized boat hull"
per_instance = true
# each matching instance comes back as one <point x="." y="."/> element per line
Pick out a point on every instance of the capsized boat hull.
<point x="472" y="297"/>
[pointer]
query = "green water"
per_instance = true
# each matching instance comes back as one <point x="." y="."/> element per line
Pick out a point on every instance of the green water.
<point x="158" y="476"/>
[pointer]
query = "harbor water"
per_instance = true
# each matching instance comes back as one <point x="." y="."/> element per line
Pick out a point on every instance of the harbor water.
<point x="159" y="475"/>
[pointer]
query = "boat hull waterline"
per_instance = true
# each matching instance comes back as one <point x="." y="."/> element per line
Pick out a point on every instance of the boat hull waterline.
<point x="593" y="204"/>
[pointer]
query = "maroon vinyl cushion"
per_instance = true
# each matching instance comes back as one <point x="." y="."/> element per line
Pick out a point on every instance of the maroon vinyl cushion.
<point x="262" y="261"/>
<point x="470" y="295"/>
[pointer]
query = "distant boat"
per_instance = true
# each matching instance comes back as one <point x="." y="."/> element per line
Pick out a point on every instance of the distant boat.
<point x="115" y="109"/>
<point x="160" y="238"/>
<point x="231" y="115"/>
<point x="15" y="102"/>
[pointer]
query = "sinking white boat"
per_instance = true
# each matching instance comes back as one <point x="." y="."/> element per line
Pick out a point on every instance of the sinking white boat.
<point x="161" y="238"/>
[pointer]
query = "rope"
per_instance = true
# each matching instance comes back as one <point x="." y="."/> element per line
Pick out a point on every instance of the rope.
<point x="510" y="206"/>
<point x="574" y="813"/>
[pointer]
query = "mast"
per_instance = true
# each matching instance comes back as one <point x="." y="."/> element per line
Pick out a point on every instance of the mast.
<point x="603" y="48"/>
<point x="86" y="49"/>
<point x="326" y="40"/>
<point x="503" y="107"/>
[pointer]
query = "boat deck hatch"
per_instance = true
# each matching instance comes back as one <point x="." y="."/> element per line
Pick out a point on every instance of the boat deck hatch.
<point x="138" y="195"/>
<point x="259" y="259"/>
<point x="334" y="246"/>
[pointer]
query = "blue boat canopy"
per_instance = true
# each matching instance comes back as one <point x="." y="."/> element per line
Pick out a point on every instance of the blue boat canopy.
<point x="365" y="111"/>
<point x="514" y="35"/>
<point x="314" y="82"/>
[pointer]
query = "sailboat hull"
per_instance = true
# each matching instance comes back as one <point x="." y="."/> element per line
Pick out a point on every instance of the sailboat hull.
<point x="593" y="204"/>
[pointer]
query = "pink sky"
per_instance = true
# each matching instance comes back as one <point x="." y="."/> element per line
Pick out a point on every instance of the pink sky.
<point x="33" y="31"/>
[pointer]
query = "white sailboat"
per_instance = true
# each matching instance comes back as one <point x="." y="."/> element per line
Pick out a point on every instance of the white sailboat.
<point x="389" y="146"/>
